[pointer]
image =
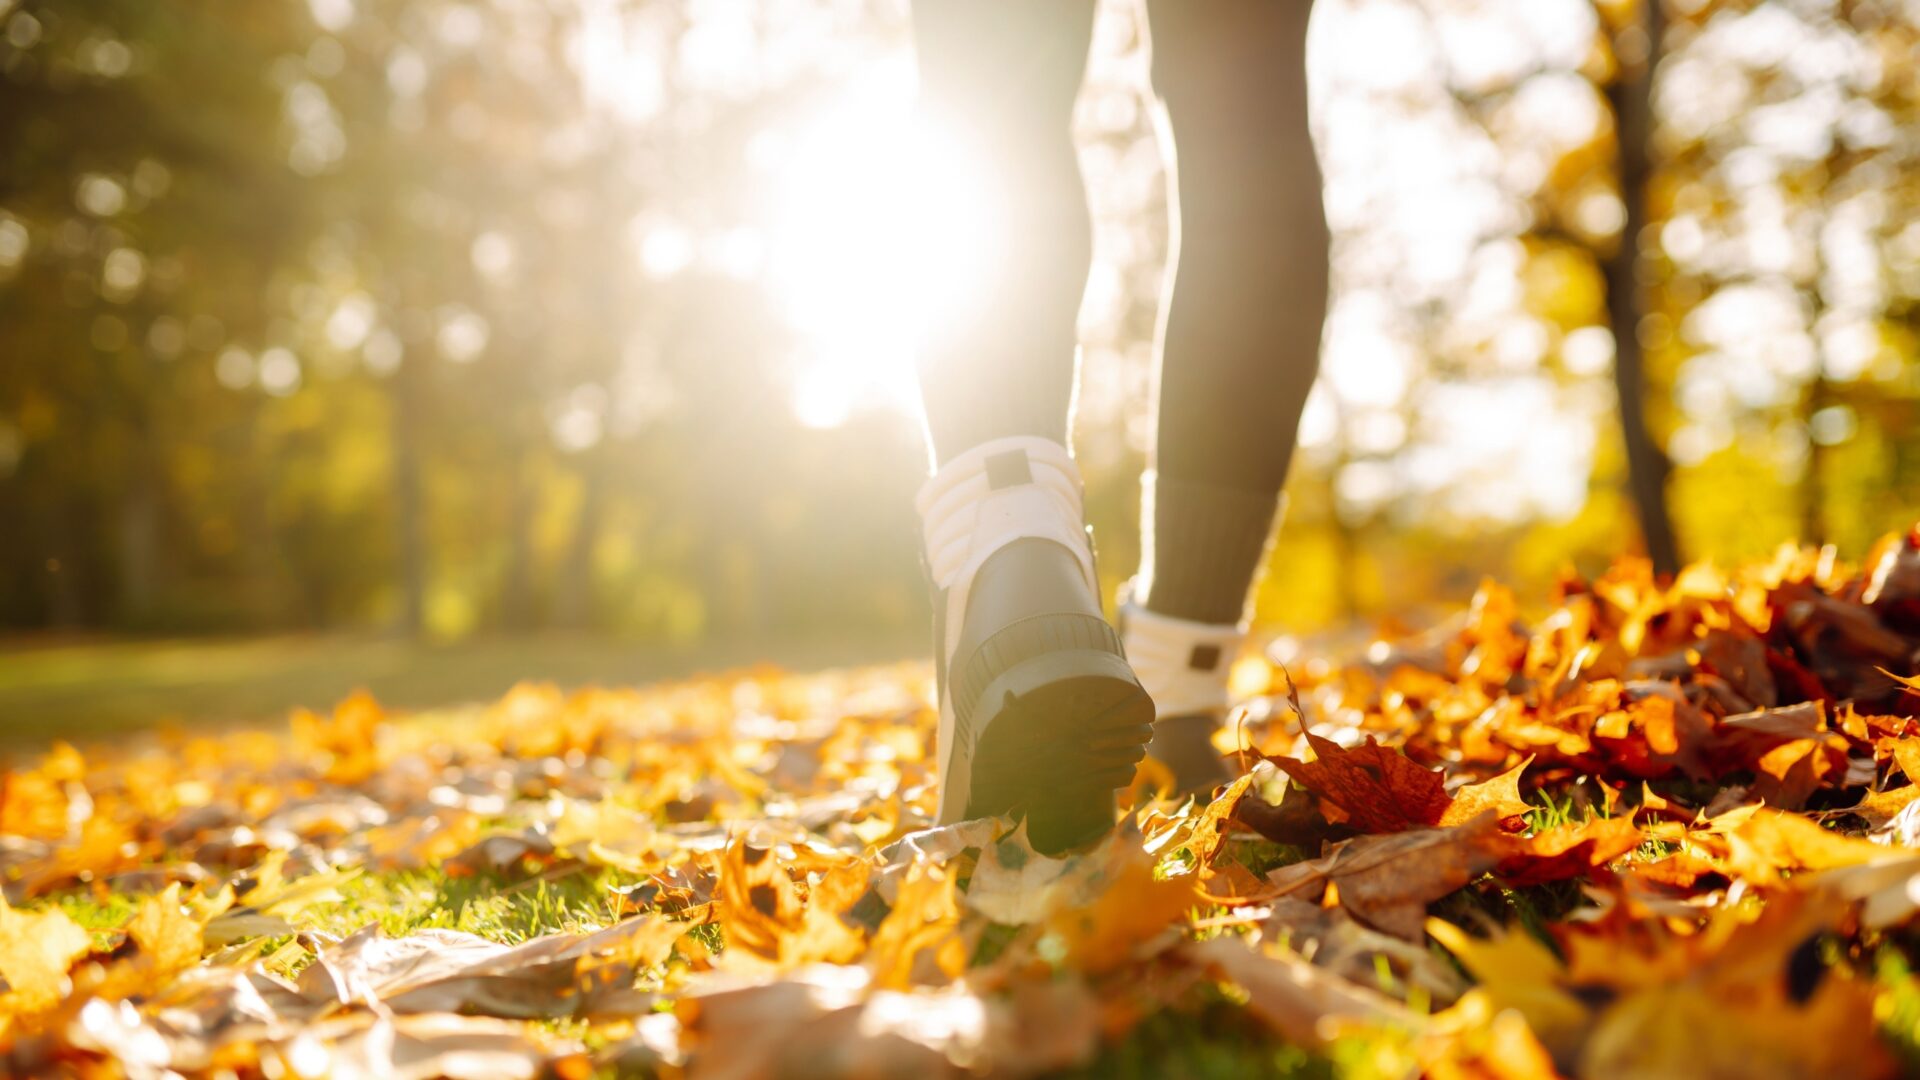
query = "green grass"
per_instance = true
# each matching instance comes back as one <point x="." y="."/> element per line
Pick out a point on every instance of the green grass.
<point x="93" y="689"/>
<point x="1487" y="902"/>
<point x="1551" y="812"/>
<point x="1261" y="856"/>
<point x="497" y="909"/>
<point x="101" y="913"/>
<point x="505" y="910"/>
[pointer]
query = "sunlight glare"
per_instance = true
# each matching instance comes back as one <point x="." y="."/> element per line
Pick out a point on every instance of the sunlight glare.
<point x="880" y="232"/>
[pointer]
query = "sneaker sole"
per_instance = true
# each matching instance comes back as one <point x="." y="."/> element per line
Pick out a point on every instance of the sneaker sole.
<point x="1058" y="735"/>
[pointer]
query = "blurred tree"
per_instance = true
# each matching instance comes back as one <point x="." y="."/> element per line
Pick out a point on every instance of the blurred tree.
<point x="459" y="316"/>
<point x="1637" y="38"/>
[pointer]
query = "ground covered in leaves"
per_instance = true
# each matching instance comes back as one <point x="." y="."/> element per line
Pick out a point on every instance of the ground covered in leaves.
<point x="1668" y="829"/>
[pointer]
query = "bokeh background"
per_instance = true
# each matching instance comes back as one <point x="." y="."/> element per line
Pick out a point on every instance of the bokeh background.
<point x="436" y="343"/>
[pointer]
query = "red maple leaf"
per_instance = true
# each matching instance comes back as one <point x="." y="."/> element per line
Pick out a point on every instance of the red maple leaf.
<point x="1376" y="789"/>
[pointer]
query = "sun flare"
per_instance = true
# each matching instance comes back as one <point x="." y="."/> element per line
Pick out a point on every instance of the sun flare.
<point x="880" y="230"/>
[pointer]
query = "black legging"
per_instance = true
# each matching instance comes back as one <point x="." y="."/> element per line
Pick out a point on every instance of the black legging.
<point x="1247" y="283"/>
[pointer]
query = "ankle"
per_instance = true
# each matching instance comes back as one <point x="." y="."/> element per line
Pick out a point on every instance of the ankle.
<point x="1205" y="546"/>
<point x="1184" y="664"/>
<point x="1014" y="503"/>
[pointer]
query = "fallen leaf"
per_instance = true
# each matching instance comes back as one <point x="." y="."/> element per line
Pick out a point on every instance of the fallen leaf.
<point x="1746" y="1005"/>
<point x="1766" y="842"/>
<point x="36" y="950"/>
<point x="1015" y="885"/>
<point x="1500" y="795"/>
<point x="1305" y="1004"/>
<point x="920" y="928"/>
<point x="167" y="933"/>
<point x="347" y="743"/>
<point x="1568" y="851"/>
<point x="1681" y="1032"/>
<point x="1332" y="939"/>
<point x="410" y="1048"/>
<point x="1888" y="893"/>
<point x="829" y="1021"/>
<point x="1787" y="775"/>
<point x="1101" y="902"/>
<point x="1133" y="907"/>
<point x="767" y="915"/>
<point x="1209" y="830"/>
<point x="1515" y="971"/>
<point x="1387" y="881"/>
<point x="1376" y="788"/>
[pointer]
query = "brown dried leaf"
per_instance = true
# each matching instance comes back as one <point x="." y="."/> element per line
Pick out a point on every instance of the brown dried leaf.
<point x="1880" y="808"/>
<point x="1387" y="881"/>
<point x="1788" y="774"/>
<point x="1332" y="939"/>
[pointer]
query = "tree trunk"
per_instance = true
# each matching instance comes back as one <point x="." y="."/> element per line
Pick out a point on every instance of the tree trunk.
<point x="1813" y="498"/>
<point x="1647" y="466"/>
<point x="573" y="604"/>
<point x="66" y="608"/>
<point x="409" y="513"/>
<point x="516" y="593"/>
<point x="139" y="538"/>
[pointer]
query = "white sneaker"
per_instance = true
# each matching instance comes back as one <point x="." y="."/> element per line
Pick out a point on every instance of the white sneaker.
<point x="1039" y="713"/>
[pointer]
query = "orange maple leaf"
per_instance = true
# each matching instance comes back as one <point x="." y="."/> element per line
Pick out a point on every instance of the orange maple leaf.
<point x="1500" y="794"/>
<point x="1568" y="851"/>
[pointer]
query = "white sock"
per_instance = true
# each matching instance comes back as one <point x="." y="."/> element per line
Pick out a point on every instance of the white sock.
<point x="1182" y="664"/>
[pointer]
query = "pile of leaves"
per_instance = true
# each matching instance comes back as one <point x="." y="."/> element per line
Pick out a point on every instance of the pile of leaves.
<point x="1668" y="830"/>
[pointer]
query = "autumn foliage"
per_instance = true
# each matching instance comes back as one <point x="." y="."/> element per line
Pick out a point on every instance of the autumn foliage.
<point x="1665" y="829"/>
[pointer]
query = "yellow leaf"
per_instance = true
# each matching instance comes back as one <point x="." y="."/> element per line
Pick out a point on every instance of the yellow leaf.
<point x="166" y="934"/>
<point x="36" y="949"/>
<point x="924" y="918"/>
<point x="1133" y="908"/>
<point x="1769" y="841"/>
<point x="1751" y="1030"/>
<point x="347" y="743"/>
<point x="1516" y="971"/>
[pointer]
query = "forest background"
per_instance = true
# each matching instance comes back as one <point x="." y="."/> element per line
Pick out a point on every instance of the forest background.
<point x="465" y="318"/>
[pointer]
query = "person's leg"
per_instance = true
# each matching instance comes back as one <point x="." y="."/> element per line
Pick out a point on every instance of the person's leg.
<point x="1240" y="331"/>
<point x="999" y="78"/>
<point x="1040" y="713"/>
<point x="1247" y="292"/>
